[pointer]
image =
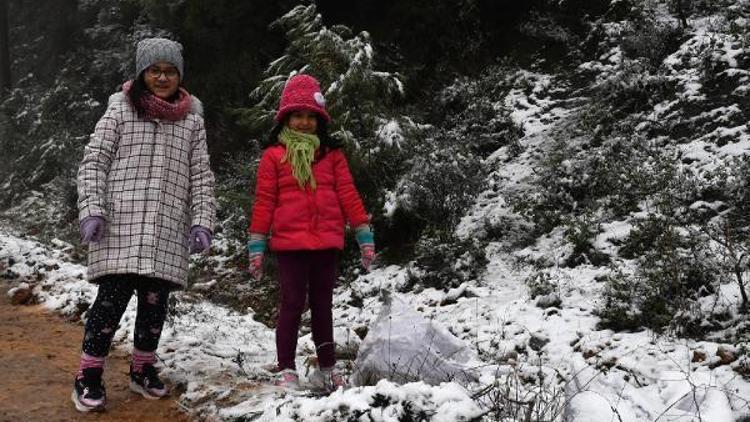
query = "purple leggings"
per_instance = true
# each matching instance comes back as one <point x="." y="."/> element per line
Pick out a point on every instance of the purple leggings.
<point x="297" y="271"/>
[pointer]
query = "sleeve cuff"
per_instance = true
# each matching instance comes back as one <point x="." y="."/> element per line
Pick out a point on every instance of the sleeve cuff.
<point x="256" y="246"/>
<point x="204" y="221"/>
<point x="91" y="211"/>
<point x="364" y="235"/>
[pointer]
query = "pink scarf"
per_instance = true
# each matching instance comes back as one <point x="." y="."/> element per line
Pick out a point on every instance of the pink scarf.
<point x="157" y="108"/>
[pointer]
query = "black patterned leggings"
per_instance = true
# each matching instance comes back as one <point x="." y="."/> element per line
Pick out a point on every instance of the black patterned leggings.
<point x="112" y="298"/>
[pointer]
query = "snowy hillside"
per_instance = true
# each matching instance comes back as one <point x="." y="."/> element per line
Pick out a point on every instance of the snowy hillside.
<point x="607" y="242"/>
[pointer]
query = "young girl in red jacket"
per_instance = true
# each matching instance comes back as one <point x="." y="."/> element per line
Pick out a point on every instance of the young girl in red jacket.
<point x="304" y="196"/>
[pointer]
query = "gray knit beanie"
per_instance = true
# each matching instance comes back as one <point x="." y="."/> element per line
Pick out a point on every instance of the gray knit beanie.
<point x="154" y="50"/>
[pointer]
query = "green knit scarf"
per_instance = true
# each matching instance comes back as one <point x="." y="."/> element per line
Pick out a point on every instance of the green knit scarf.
<point x="300" y="152"/>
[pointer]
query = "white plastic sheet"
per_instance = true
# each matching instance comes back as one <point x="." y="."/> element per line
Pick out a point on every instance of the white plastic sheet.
<point x="404" y="346"/>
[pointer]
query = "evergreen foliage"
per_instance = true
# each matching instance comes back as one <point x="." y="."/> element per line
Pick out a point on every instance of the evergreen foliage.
<point x="355" y="92"/>
<point x="48" y="116"/>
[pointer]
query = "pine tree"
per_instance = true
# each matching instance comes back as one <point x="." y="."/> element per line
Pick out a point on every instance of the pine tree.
<point x="356" y="93"/>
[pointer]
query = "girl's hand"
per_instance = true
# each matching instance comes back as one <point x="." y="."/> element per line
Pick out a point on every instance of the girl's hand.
<point x="200" y="239"/>
<point x="366" y="241"/>
<point x="368" y="255"/>
<point x="92" y="229"/>
<point x="256" y="247"/>
<point x="255" y="265"/>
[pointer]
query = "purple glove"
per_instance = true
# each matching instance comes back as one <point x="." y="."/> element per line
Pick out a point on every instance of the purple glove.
<point x="92" y="229"/>
<point x="200" y="239"/>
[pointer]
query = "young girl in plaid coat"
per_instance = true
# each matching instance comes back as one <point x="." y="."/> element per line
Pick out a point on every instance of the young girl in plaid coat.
<point x="145" y="199"/>
<point x="304" y="197"/>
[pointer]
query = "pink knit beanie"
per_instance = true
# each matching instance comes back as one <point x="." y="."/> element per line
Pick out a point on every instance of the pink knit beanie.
<point x="302" y="92"/>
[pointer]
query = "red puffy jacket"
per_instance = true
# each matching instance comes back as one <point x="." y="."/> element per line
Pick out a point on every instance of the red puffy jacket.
<point x="305" y="219"/>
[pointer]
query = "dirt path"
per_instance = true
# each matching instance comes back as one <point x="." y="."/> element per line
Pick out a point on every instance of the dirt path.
<point x="39" y="353"/>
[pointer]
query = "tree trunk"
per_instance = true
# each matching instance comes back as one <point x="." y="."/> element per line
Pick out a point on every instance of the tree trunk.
<point x="681" y="13"/>
<point x="743" y="293"/>
<point x="4" y="49"/>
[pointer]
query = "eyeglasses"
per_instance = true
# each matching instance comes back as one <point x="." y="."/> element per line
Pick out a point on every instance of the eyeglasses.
<point x="156" y="72"/>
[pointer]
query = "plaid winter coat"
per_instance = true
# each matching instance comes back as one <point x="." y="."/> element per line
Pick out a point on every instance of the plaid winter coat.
<point x="151" y="181"/>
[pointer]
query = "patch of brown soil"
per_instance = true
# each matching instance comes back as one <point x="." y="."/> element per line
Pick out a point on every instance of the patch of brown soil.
<point x="39" y="354"/>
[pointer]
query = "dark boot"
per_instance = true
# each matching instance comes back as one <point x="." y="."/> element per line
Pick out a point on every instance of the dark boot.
<point x="147" y="383"/>
<point x="88" y="391"/>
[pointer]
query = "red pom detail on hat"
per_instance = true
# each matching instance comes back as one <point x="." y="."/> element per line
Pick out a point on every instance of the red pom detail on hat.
<point x="302" y="92"/>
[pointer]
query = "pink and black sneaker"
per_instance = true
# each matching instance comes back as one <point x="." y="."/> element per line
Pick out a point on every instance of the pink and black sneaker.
<point x="147" y="383"/>
<point x="88" y="393"/>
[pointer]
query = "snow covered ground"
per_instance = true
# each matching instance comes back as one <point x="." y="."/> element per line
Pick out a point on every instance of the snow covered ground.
<point x="216" y="356"/>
